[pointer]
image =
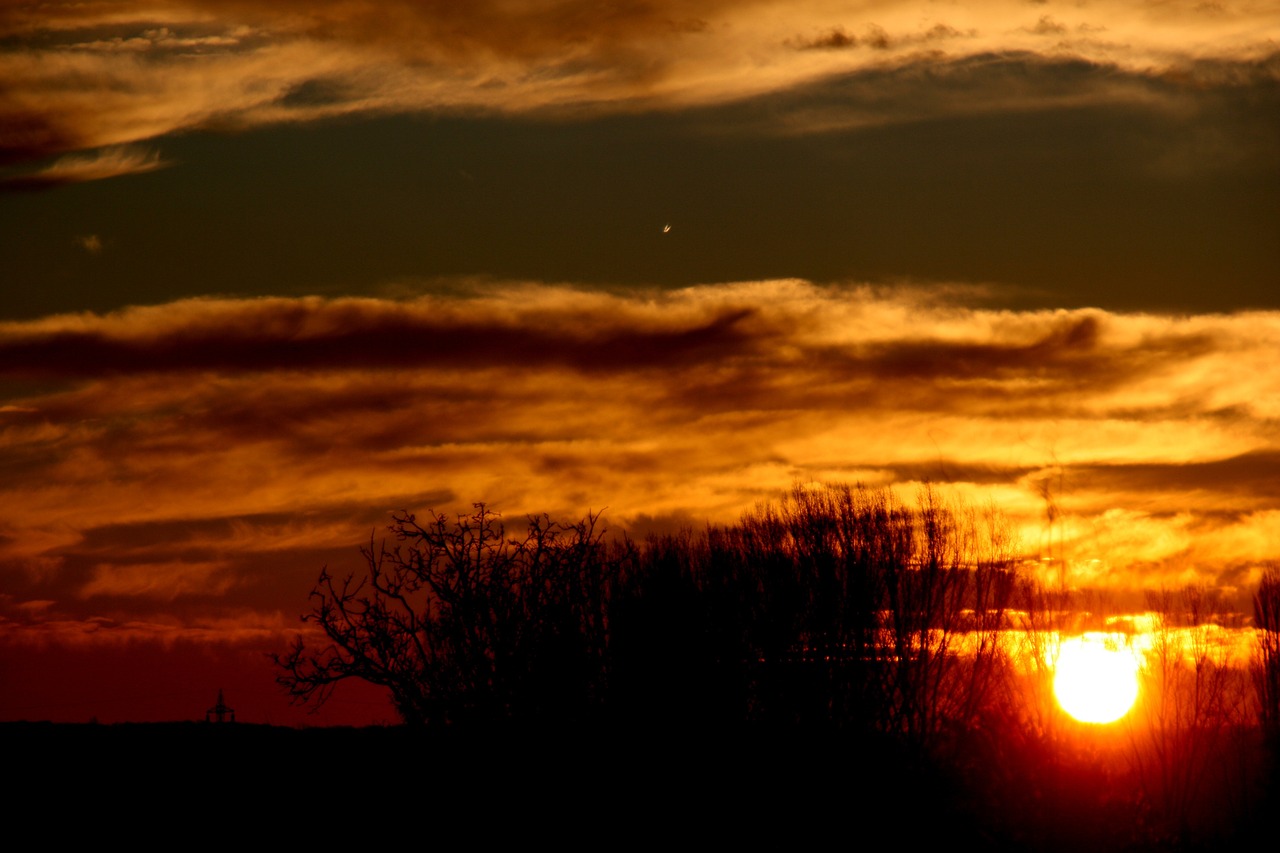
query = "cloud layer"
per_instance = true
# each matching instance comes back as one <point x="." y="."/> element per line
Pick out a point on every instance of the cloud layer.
<point x="86" y="75"/>
<point x="208" y="455"/>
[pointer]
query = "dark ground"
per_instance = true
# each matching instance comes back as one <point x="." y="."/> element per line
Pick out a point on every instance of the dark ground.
<point x="189" y="784"/>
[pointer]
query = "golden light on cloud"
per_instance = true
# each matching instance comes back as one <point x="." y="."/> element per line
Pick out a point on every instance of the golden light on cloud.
<point x="92" y="74"/>
<point x="310" y="419"/>
<point x="107" y="163"/>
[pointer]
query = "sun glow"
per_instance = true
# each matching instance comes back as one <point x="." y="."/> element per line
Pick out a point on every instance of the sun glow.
<point x="1096" y="677"/>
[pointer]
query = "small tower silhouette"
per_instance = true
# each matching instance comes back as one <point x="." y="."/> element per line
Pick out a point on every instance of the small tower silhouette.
<point x="220" y="712"/>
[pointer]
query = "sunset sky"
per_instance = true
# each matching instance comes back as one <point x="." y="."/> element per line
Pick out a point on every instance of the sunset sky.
<point x="272" y="270"/>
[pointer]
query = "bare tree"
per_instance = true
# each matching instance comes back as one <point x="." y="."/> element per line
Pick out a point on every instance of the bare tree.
<point x="873" y="613"/>
<point x="1195" y="701"/>
<point x="837" y="606"/>
<point x="1266" y="666"/>
<point x="461" y="622"/>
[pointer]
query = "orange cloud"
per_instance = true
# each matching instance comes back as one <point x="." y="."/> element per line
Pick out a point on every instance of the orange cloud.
<point x="77" y="168"/>
<point x="101" y="74"/>
<point x="211" y="453"/>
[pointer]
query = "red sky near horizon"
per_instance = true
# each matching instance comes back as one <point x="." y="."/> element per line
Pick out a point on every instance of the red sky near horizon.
<point x="271" y="272"/>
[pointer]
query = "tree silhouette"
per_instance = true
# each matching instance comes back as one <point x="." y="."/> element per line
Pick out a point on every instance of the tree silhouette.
<point x="837" y="606"/>
<point x="1266" y="667"/>
<point x="1195" y="702"/>
<point x="462" y="623"/>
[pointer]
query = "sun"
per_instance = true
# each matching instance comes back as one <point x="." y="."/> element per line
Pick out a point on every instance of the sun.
<point x="1096" y="677"/>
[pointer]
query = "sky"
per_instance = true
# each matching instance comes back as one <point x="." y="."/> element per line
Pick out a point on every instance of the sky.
<point x="271" y="271"/>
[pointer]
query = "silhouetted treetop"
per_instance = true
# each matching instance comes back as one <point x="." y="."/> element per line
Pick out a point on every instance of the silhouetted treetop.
<point x="836" y="605"/>
<point x="462" y="622"/>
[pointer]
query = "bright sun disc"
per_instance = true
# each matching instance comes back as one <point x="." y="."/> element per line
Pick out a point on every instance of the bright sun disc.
<point x="1096" y="678"/>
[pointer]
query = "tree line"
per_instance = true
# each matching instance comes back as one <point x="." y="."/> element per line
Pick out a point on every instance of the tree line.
<point x="836" y="606"/>
<point x="836" y="609"/>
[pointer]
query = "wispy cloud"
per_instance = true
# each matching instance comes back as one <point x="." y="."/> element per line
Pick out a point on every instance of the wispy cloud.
<point x="77" y="168"/>
<point x="164" y="581"/>
<point x="88" y="75"/>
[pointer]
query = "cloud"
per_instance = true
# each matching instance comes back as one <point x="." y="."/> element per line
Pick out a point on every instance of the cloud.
<point x="875" y="37"/>
<point x="165" y="581"/>
<point x="41" y="627"/>
<point x="981" y="84"/>
<point x="160" y="38"/>
<point x="81" y="76"/>
<point x="78" y="168"/>
<point x="353" y="333"/>
<point x="837" y="38"/>
<point x="1047" y="26"/>
<point x="1253" y="476"/>
<point x="214" y="453"/>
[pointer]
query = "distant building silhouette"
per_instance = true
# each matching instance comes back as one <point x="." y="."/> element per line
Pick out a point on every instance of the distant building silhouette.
<point x="220" y="712"/>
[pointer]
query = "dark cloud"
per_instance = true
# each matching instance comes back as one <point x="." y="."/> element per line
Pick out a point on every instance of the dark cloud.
<point x="1251" y="479"/>
<point x="26" y="134"/>
<point x="956" y="471"/>
<point x="736" y="355"/>
<point x="318" y="91"/>
<point x="1207" y="73"/>
<point x="1070" y="345"/>
<point x="1047" y="26"/>
<point x="877" y="38"/>
<point x="836" y="39"/>
<point x="275" y="336"/>
<point x="726" y="358"/>
<point x="1063" y="359"/>
<point x="874" y="37"/>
